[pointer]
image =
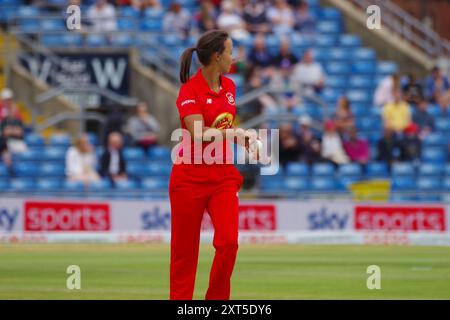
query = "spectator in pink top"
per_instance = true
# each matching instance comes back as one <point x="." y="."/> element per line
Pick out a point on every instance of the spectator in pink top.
<point x="357" y="148"/>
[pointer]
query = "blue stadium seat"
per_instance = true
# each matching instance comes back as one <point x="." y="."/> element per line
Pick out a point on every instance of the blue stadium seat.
<point x="45" y="184"/>
<point x="151" y="25"/>
<point x="32" y="154"/>
<point x="155" y="184"/>
<point x="360" y="82"/>
<point x="27" y="11"/>
<point x="129" y="12"/>
<point x="341" y="68"/>
<point x="50" y="169"/>
<point x="53" y="154"/>
<point x="158" y="168"/>
<point x="323" y="184"/>
<point x="337" y="82"/>
<point x="442" y="124"/>
<point x="96" y="40"/>
<point x="4" y="185"/>
<point x="271" y="184"/>
<point x="403" y="169"/>
<point x="26" y="169"/>
<point x="127" y="185"/>
<point x="296" y="184"/>
<point x="124" y="40"/>
<point x="73" y="186"/>
<point x="322" y="169"/>
<point x="34" y="140"/>
<point x="446" y="184"/>
<point x="60" y="140"/>
<point x="328" y="26"/>
<point x="29" y="25"/>
<point x="101" y="185"/>
<point x="358" y="96"/>
<point x="22" y="184"/>
<point x="434" y="154"/>
<point x="350" y="169"/>
<point x="330" y="13"/>
<point x="136" y="168"/>
<point x="325" y="40"/>
<point x="127" y="24"/>
<point x="435" y="139"/>
<point x="385" y="68"/>
<point x="133" y="154"/>
<point x="363" y="67"/>
<point x="159" y="153"/>
<point x="431" y="169"/>
<point x="363" y="54"/>
<point x="349" y="40"/>
<point x="428" y="184"/>
<point x="345" y="182"/>
<point x="297" y="169"/>
<point x="404" y="183"/>
<point x="331" y="96"/>
<point x="368" y="124"/>
<point x="154" y="13"/>
<point x="4" y="172"/>
<point x="52" y="25"/>
<point x="377" y="170"/>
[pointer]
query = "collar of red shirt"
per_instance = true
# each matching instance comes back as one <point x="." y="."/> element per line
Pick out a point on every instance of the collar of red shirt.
<point x="204" y="87"/>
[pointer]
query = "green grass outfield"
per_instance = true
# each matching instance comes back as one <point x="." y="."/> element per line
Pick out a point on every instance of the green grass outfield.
<point x="141" y="271"/>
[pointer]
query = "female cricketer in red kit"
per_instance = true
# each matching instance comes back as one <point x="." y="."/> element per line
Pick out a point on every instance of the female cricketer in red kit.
<point x="207" y="98"/>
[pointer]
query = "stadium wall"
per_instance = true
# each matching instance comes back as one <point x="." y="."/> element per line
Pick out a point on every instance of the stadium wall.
<point x="273" y="221"/>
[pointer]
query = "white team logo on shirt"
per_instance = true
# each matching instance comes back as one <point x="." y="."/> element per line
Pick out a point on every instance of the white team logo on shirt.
<point x="187" y="101"/>
<point x="209" y="101"/>
<point x="230" y="98"/>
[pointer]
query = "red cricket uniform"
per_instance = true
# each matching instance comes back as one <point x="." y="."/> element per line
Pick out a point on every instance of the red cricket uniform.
<point x="195" y="188"/>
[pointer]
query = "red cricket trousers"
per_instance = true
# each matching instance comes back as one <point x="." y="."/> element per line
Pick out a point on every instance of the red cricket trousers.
<point x="192" y="189"/>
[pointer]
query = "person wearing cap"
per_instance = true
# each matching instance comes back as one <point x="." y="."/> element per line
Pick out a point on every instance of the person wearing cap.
<point x="7" y="106"/>
<point x="410" y="144"/>
<point x="332" y="148"/>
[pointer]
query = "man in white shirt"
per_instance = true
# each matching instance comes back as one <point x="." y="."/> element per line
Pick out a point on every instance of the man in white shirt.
<point x="308" y="74"/>
<point x="102" y="16"/>
<point x="384" y="93"/>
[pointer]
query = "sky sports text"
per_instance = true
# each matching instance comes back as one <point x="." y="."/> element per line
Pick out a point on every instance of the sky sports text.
<point x="212" y="152"/>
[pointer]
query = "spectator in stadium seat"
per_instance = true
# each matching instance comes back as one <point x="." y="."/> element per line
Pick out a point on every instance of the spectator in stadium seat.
<point x="281" y="17"/>
<point x="285" y="60"/>
<point x="410" y="144"/>
<point x="343" y="117"/>
<point x="305" y="22"/>
<point x="310" y="148"/>
<point x="438" y="88"/>
<point x="259" y="55"/>
<point x="112" y="161"/>
<point x="232" y="22"/>
<point x="289" y="146"/>
<point x="5" y="155"/>
<point x="412" y="89"/>
<point x="102" y="15"/>
<point x="7" y="106"/>
<point x="308" y="74"/>
<point x="207" y="16"/>
<point x="143" y="127"/>
<point x="423" y="119"/>
<point x="357" y="148"/>
<point x="397" y="115"/>
<point x="81" y="162"/>
<point x="255" y="17"/>
<point x="177" y="20"/>
<point x="332" y="148"/>
<point x="12" y="130"/>
<point x="388" y="147"/>
<point x="385" y="89"/>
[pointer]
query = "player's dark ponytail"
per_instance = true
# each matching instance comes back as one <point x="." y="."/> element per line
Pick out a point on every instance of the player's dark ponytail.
<point x="209" y="43"/>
